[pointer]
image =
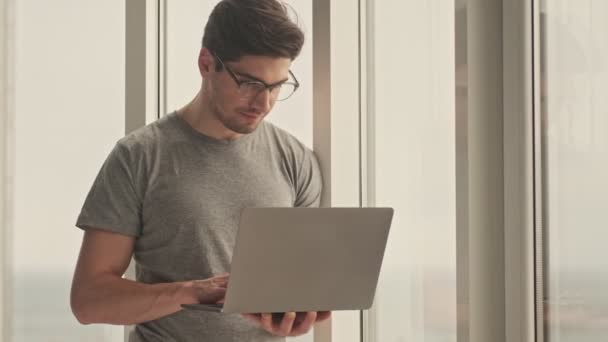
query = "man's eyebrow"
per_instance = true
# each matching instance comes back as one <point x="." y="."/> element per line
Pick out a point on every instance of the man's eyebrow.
<point x="253" y="78"/>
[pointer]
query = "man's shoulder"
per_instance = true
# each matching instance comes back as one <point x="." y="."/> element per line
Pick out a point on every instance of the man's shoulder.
<point x="146" y="136"/>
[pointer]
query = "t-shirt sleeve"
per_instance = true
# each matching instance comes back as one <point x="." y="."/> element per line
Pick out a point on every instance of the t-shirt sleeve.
<point x="114" y="202"/>
<point x="309" y="182"/>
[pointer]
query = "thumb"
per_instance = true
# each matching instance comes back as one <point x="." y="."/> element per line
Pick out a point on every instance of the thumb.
<point x="212" y="295"/>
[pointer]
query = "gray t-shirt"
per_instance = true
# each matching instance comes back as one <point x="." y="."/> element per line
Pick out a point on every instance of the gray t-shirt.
<point x="180" y="193"/>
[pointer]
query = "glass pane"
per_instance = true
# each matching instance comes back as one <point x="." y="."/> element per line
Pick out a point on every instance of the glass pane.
<point x="415" y="168"/>
<point x="575" y="165"/>
<point x="69" y="102"/>
<point x="186" y="20"/>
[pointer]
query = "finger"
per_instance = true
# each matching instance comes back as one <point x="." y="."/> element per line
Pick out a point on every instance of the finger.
<point x="220" y="283"/>
<point x="212" y="294"/>
<point x="287" y="323"/>
<point x="216" y="282"/>
<point x="304" y="326"/>
<point x="323" y="315"/>
<point x="220" y="280"/>
<point x="300" y="316"/>
<point x="266" y="321"/>
<point x="256" y="318"/>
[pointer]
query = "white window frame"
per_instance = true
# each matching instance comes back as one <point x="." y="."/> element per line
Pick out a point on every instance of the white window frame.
<point x="495" y="176"/>
<point x="142" y="63"/>
<point x="6" y="162"/>
<point x="144" y="73"/>
<point x="521" y="201"/>
<point x="336" y="126"/>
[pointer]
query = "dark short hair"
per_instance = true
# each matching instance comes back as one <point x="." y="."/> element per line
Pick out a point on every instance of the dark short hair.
<point x="237" y="28"/>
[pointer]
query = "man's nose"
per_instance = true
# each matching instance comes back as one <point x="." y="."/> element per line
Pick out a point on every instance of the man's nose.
<point x="263" y="101"/>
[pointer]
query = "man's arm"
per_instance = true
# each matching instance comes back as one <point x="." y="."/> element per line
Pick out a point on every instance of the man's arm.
<point x="100" y="294"/>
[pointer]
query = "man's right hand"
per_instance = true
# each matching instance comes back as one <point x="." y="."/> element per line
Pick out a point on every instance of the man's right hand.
<point x="101" y="295"/>
<point x="208" y="291"/>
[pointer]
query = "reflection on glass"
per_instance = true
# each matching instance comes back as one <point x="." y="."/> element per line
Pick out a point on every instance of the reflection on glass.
<point x="574" y="64"/>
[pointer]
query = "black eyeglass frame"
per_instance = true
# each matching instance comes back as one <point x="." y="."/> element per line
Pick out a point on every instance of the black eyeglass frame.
<point x="266" y="86"/>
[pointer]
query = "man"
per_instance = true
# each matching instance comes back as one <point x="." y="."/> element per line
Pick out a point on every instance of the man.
<point x="170" y="194"/>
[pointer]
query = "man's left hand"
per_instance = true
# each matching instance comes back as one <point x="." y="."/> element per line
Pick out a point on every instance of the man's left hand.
<point x="289" y="323"/>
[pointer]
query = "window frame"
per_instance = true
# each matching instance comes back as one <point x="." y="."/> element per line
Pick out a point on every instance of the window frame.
<point x="145" y="90"/>
<point x="7" y="34"/>
<point x="500" y="89"/>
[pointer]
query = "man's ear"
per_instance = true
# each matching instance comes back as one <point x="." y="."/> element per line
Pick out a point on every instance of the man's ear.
<point x="206" y="62"/>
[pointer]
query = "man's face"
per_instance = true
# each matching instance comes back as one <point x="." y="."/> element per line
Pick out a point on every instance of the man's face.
<point x="239" y="110"/>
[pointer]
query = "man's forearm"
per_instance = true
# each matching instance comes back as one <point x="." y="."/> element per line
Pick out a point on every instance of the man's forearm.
<point x="113" y="300"/>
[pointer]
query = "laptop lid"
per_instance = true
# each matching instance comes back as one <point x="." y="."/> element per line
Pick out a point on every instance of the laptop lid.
<point x="307" y="259"/>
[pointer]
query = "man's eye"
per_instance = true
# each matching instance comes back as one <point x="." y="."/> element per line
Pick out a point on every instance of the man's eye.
<point x="253" y="84"/>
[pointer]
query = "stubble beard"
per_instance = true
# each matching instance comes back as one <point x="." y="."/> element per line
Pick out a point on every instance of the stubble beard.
<point x="233" y="123"/>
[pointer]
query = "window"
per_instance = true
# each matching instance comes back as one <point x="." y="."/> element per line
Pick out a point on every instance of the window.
<point x="69" y="112"/>
<point x="413" y="169"/>
<point x="574" y="66"/>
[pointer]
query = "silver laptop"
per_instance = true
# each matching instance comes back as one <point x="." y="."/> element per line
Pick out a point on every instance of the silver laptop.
<point x="305" y="259"/>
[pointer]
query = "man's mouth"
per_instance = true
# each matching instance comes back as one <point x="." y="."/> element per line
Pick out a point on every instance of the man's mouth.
<point x="251" y="115"/>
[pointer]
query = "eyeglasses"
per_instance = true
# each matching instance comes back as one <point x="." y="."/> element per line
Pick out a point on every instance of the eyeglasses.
<point x="250" y="89"/>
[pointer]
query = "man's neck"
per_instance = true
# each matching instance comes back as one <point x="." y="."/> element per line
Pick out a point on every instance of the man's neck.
<point x="199" y="115"/>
